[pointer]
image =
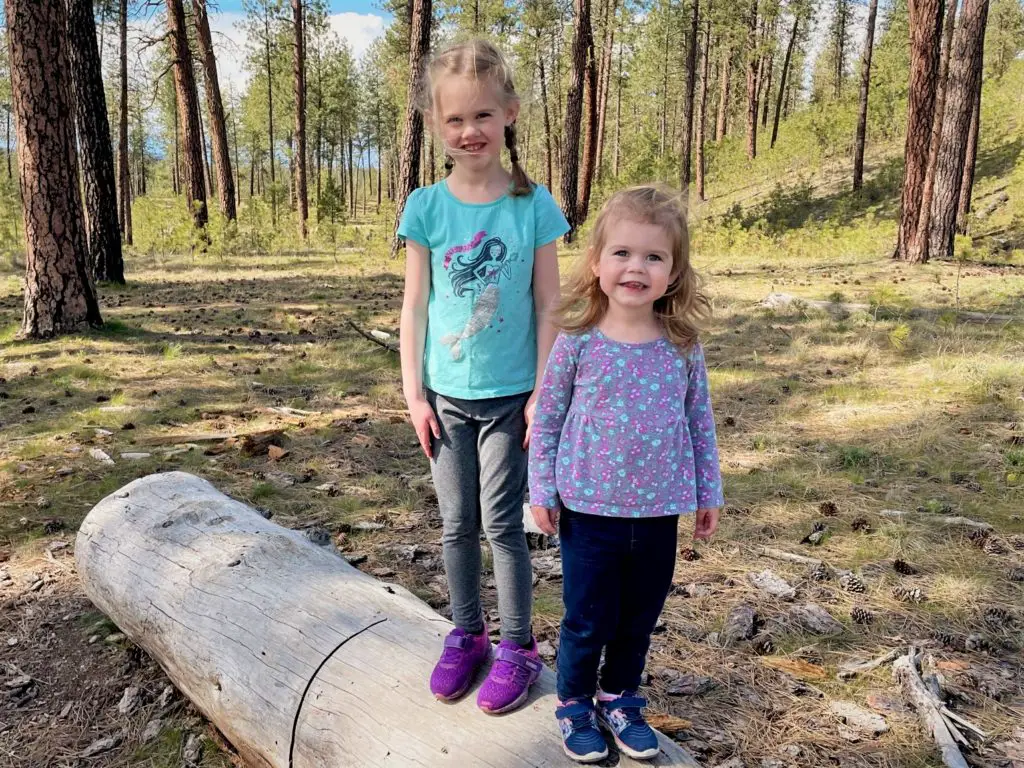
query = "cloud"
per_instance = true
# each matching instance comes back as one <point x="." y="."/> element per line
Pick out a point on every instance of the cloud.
<point x="359" y="29"/>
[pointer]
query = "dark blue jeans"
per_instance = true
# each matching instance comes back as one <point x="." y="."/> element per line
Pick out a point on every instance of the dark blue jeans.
<point x="617" y="573"/>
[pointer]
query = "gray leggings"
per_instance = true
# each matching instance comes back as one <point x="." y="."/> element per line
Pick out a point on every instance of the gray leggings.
<point x="480" y="473"/>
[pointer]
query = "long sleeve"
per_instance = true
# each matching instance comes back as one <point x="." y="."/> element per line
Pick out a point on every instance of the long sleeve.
<point x="701" y="422"/>
<point x="552" y="407"/>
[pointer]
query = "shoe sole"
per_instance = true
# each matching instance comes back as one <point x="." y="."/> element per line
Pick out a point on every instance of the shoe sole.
<point x="634" y="753"/>
<point x="590" y="757"/>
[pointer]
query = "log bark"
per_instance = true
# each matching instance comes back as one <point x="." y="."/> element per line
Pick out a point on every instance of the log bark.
<point x="297" y="657"/>
<point x="59" y="294"/>
<point x="188" y="113"/>
<point x="215" y="109"/>
<point x="97" y="154"/>
<point x="865" y="85"/>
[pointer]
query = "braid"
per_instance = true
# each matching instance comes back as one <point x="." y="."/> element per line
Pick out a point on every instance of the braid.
<point x="521" y="184"/>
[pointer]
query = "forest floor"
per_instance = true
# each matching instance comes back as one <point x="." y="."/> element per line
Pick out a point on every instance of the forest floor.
<point x="868" y="428"/>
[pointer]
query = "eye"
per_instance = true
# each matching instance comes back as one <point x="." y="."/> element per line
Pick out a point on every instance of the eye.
<point x="621" y="252"/>
<point x="483" y="115"/>
<point x="654" y="257"/>
<point x="452" y="120"/>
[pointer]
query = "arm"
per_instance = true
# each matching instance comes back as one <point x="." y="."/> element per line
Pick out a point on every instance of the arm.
<point x="412" y="338"/>
<point x="546" y="292"/>
<point x="555" y="396"/>
<point x="701" y="422"/>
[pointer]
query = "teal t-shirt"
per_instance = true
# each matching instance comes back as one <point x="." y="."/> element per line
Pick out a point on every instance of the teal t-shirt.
<point x="481" y="326"/>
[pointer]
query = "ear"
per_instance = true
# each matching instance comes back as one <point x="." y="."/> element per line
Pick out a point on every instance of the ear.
<point x="595" y="263"/>
<point x="512" y="112"/>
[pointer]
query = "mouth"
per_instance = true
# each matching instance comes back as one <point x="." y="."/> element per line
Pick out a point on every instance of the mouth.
<point x="473" y="147"/>
<point x="634" y="285"/>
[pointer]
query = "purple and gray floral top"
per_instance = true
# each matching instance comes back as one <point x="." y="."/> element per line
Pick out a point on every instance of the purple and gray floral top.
<point x="624" y="430"/>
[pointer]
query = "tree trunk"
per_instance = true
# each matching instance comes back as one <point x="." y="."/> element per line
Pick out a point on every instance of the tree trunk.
<point x="238" y="178"/>
<point x="964" y="76"/>
<point x="686" y="144"/>
<point x="574" y="117"/>
<point x="547" y="118"/>
<point x="558" y="121"/>
<point x="207" y="175"/>
<point x="10" y="149"/>
<point x="921" y="236"/>
<point x="59" y="292"/>
<point x="419" y="47"/>
<point x="277" y="640"/>
<point x="351" y="179"/>
<point x="215" y="109"/>
<point x="663" y="123"/>
<point x="299" y="160"/>
<point x="188" y="113"/>
<point x="175" y="181"/>
<point x="270" y="113"/>
<point x="125" y="211"/>
<point x="766" y="92"/>
<point x="604" y="81"/>
<point x="967" y="185"/>
<point x="725" y="77"/>
<point x="926" y="35"/>
<point x="703" y="116"/>
<point x="752" y="82"/>
<point x="842" y="11"/>
<point x="865" y="84"/>
<point x="97" y="155"/>
<point x="589" y="157"/>
<point x="618" y="116"/>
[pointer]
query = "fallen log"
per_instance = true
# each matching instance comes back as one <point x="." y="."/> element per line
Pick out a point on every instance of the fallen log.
<point x="297" y="657"/>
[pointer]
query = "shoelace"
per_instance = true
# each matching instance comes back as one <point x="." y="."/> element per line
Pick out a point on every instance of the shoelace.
<point x="582" y="720"/>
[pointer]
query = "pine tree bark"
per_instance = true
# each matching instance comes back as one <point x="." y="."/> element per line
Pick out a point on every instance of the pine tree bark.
<point x="589" y="157"/>
<point x="59" y="292"/>
<point x="188" y="113"/>
<point x="967" y="185"/>
<point x="270" y="112"/>
<point x="299" y="69"/>
<point x="842" y="13"/>
<point x="215" y="110"/>
<point x="752" y="82"/>
<point x="703" y="116"/>
<point x="865" y="85"/>
<point x="725" y="86"/>
<point x="766" y="92"/>
<point x="686" y="136"/>
<point x="964" y="76"/>
<point x="604" y="79"/>
<point x="925" y="36"/>
<point x="125" y="200"/>
<point x="921" y="235"/>
<point x="409" y="167"/>
<point x="97" y="154"/>
<point x="618" y="117"/>
<point x="548" y="152"/>
<point x="574" y="117"/>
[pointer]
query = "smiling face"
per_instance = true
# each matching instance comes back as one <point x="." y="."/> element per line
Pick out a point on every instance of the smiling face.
<point x="471" y="119"/>
<point x="634" y="267"/>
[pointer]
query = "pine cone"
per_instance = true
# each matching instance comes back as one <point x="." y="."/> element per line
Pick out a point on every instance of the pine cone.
<point x="828" y="508"/>
<point x="993" y="545"/>
<point x="977" y="643"/>
<point x="908" y="594"/>
<point x="853" y="583"/>
<point x="1016" y="574"/>
<point x="690" y="554"/>
<point x="977" y="537"/>
<point x="861" y="524"/>
<point x="998" y="618"/>
<point x="861" y="615"/>
<point x="903" y="567"/>
<point x="948" y="640"/>
<point x="819" y="572"/>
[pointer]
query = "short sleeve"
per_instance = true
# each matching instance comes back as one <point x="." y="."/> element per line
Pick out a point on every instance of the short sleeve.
<point x="550" y="223"/>
<point x="411" y="225"/>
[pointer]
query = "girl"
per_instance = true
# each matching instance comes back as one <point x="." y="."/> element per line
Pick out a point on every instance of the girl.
<point x="481" y="277"/>
<point x="623" y="443"/>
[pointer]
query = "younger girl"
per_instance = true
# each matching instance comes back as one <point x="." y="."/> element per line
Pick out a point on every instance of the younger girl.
<point x="481" y="276"/>
<point x="623" y="443"/>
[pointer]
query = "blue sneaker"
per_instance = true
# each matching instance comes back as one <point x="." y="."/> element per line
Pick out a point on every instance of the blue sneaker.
<point x="581" y="738"/>
<point x="632" y="734"/>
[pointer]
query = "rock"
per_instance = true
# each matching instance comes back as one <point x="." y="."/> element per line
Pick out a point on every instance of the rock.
<point x="103" y="432"/>
<point x="548" y="566"/>
<point x="849" y="734"/>
<point x="331" y="489"/>
<point x="357" y="558"/>
<point x="697" y="590"/>
<point x="734" y="762"/>
<point x="859" y="719"/>
<point x="366" y="525"/>
<point x="100" y="456"/>
<point x="772" y="584"/>
<point x="276" y="452"/>
<point x="116" y="637"/>
<point x="690" y="685"/>
<point x="193" y="751"/>
<point x="130" y="700"/>
<point x="152" y="730"/>
<point x="165" y="697"/>
<point x="135" y="456"/>
<point x="383" y="573"/>
<point x="741" y="624"/>
<point x="815" y="619"/>
<point x="546" y="650"/>
<point x="18" y="683"/>
<point x="100" y="746"/>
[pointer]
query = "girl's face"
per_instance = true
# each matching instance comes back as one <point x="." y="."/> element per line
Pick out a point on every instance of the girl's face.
<point x="634" y="267"/>
<point x="472" y="120"/>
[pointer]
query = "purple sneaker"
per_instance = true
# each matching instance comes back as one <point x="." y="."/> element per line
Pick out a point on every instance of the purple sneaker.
<point x="514" y="670"/>
<point x="462" y="656"/>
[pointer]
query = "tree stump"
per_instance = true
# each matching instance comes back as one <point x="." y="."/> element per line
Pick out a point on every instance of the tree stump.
<point x="297" y="657"/>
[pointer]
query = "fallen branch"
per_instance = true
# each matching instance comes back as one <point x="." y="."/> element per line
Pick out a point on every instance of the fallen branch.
<point x="788" y="557"/>
<point x="905" y="671"/>
<point x="370" y="337"/>
<point x="779" y="300"/>
<point x="850" y="670"/>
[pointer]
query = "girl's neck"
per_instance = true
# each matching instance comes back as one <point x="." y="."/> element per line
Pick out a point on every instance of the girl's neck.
<point x="479" y="186"/>
<point x="631" y="325"/>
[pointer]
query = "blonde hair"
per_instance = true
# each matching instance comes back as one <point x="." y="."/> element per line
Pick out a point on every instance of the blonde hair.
<point x="683" y="308"/>
<point x="481" y="61"/>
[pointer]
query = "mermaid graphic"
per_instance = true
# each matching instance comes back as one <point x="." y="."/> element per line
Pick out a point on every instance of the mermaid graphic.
<point x="478" y="275"/>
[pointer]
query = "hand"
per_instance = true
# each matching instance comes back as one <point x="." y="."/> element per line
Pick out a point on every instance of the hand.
<point x="546" y="519"/>
<point x="706" y="523"/>
<point x="529" y="412"/>
<point x="424" y="422"/>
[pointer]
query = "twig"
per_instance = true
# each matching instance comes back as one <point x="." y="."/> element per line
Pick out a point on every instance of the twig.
<point x="905" y="671"/>
<point x="963" y="721"/>
<point x="778" y="554"/>
<point x="370" y="337"/>
<point x="852" y="669"/>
